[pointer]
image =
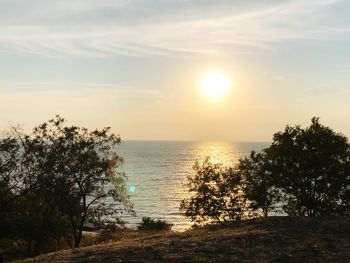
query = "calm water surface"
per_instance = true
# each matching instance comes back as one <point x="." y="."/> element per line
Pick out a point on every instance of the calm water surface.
<point x="158" y="170"/>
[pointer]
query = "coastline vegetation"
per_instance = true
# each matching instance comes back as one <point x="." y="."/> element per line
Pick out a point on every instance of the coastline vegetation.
<point x="53" y="182"/>
<point x="150" y="224"/>
<point x="305" y="172"/>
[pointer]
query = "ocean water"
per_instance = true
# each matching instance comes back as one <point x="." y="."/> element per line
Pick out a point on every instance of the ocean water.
<point x="157" y="172"/>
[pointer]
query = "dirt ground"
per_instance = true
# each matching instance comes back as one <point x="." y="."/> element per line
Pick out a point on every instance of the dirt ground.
<point x="276" y="239"/>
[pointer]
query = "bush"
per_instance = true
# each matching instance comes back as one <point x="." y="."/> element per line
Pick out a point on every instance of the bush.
<point x="151" y="224"/>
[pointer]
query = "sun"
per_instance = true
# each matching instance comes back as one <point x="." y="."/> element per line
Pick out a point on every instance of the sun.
<point x="215" y="85"/>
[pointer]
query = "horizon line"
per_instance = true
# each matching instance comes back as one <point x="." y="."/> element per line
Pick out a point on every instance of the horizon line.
<point x="175" y="140"/>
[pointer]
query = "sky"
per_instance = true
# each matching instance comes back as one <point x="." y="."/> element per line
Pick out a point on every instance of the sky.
<point x="134" y="65"/>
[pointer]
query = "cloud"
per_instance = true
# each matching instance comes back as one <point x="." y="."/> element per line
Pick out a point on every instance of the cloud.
<point x="172" y="28"/>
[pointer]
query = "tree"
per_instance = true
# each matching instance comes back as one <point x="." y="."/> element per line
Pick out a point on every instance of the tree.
<point x="307" y="171"/>
<point x="81" y="168"/>
<point x="11" y="183"/>
<point x="257" y="182"/>
<point x="60" y="178"/>
<point x="311" y="168"/>
<point x="21" y="208"/>
<point x="216" y="194"/>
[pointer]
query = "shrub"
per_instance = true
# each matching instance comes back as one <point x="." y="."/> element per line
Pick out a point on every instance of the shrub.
<point x="151" y="224"/>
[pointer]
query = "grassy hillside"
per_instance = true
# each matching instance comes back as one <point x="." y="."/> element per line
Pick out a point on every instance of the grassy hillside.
<point x="276" y="239"/>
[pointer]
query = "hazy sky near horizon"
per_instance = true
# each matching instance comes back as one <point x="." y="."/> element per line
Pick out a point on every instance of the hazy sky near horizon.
<point x="134" y="65"/>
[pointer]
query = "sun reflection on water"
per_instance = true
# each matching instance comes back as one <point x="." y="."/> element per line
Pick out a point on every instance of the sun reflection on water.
<point x="173" y="193"/>
<point x="157" y="174"/>
<point x="217" y="152"/>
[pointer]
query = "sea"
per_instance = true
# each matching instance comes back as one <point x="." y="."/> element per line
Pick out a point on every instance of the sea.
<point x="157" y="173"/>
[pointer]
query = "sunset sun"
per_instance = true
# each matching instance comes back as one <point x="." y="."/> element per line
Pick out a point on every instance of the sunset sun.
<point x="215" y="85"/>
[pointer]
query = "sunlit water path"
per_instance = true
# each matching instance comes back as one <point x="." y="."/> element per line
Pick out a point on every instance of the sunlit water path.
<point x="157" y="171"/>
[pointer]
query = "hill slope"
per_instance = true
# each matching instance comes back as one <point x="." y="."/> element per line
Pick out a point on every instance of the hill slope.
<point x="276" y="239"/>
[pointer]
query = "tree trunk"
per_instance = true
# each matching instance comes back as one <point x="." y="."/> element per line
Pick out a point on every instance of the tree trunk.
<point x="77" y="238"/>
<point x="266" y="212"/>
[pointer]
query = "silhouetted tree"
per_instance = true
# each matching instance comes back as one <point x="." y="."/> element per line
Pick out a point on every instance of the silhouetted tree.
<point x="311" y="168"/>
<point x="79" y="168"/>
<point x="216" y="194"/>
<point x="56" y="179"/>
<point x="307" y="171"/>
<point x="258" y="184"/>
<point x="12" y="185"/>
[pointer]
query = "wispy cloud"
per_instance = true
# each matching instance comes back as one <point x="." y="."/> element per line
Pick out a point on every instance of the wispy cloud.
<point x="103" y="28"/>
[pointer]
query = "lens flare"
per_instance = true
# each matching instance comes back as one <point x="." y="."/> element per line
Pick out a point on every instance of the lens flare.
<point x="132" y="188"/>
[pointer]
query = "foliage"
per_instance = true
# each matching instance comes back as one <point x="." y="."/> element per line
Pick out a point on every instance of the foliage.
<point x="311" y="168"/>
<point x="216" y="194"/>
<point x="55" y="180"/>
<point x="151" y="224"/>
<point x="306" y="171"/>
<point x="257" y="182"/>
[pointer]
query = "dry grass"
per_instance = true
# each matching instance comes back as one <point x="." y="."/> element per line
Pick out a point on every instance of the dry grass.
<point x="280" y="239"/>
